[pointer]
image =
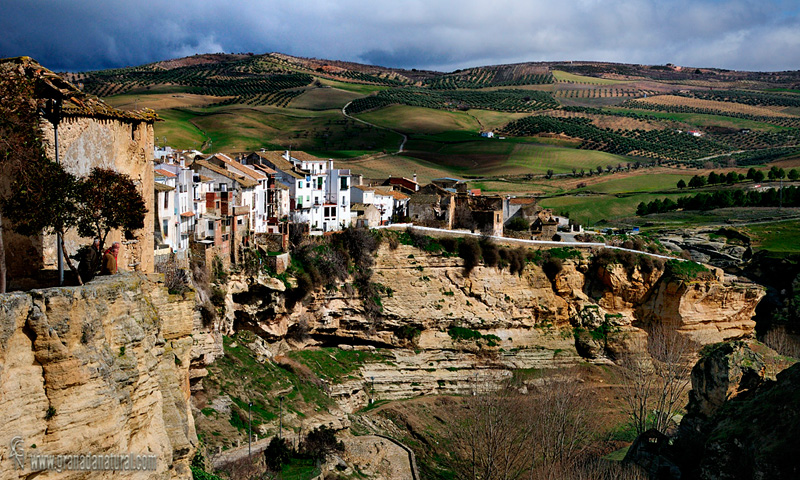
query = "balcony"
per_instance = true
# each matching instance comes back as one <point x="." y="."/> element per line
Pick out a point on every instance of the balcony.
<point x="241" y="210"/>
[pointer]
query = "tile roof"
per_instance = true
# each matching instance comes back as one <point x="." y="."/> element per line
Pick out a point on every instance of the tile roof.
<point x="399" y="195"/>
<point x="522" y="201"/>
<point x="241" y="169"/>
<point x="280" y="163"/>
<point x="160" y="187"/>
<point x="76" y="103"/>
<point x="264" y="169"/>
<point x="187" y="214"/>
<point x="244" y="181"/>
<point x="305" y="157"/>
<point x="165" y="173"/>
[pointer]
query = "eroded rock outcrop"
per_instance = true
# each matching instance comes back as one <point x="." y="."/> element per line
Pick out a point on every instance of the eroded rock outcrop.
<point x="738" y="423"/>
<point x="98" y="369"/>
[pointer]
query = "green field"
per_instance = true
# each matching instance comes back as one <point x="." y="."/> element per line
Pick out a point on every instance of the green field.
<point x="179" y="130"/>
<point x="593" y="208"/>
<point x="538" y="158"/>
<point x="562" y="76"/>
<point x="359" y="88"/>
<point x="323" y="99"/>
<point x="491" y="120"/>
<point x="779" y="237"/>
<point x="242" y="128"/>
<point x="421" y="120"/>
<point x="397" y="165"/>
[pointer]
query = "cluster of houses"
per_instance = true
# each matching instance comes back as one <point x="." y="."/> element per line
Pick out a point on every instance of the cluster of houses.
<point x="222" y="201"/>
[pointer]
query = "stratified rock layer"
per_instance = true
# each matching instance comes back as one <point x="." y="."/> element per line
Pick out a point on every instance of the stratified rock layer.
<point x="99" y="369"/>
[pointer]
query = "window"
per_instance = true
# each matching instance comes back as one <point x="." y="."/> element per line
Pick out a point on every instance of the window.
<point x="210" y="225"/>
<point x="299" y="184"/>
<point x="344" y="183"/>
<point x="165" y="229"/>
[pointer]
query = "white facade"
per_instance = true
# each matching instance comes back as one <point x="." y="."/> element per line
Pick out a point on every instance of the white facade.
<point x="382" y="200"/>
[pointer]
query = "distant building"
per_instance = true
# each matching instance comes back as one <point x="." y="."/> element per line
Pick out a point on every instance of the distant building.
<point x="487" y="134"/>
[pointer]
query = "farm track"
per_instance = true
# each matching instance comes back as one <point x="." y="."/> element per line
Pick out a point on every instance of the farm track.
<point x="405" y="137"/>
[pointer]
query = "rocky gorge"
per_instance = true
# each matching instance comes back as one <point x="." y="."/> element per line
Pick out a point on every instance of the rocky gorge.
<point x="123" y="365"/>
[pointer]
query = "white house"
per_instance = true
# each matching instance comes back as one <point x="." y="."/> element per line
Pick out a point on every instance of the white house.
<point x="319" y="193"/>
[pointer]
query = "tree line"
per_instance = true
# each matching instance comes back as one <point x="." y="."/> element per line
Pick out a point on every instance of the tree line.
<point x="773" y="197"/>
<point x="730" y="178"/>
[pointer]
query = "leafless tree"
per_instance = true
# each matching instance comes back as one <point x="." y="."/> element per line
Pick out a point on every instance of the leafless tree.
<point x="562" y="425"/>
<point x="492" y="439"/>
<point x="654" y="382"/>
<point x="506" y="435"/>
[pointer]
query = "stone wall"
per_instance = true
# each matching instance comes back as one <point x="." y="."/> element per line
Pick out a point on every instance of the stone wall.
<point x="99" y="369"/>
<point x="85" y="143"/>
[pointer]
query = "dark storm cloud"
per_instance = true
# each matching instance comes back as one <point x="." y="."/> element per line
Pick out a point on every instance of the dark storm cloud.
<point x="444" y="35"/>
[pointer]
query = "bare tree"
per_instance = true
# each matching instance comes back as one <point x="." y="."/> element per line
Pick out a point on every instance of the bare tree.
<point x="654" y="382"/>
<point x="562" y="425"/>
<point x="492" y="439"/>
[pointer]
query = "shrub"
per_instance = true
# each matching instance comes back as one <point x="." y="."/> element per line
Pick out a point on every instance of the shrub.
<point x="491" y="253"/>
<point x="449" y="244"/>
<point x="518" y="224"/>
<point x="218" y="270"/>
<point x="552" y="267"/>
<point x="277" y="454"/>
<point x="320" y="442"/>
<point x="470" y="251"/>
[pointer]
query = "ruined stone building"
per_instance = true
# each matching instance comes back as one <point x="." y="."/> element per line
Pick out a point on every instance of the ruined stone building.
<point x="90" y="134"/>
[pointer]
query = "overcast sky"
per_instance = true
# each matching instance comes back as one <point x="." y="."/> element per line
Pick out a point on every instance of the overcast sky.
<point x="427" y="34"/>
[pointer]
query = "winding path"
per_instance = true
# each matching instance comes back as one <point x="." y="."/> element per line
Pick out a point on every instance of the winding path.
<point x="405" y="137"/>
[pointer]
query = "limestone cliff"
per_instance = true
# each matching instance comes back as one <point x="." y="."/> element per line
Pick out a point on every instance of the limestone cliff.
<point x="429" y="293"/>
<point x="99" y="369"/>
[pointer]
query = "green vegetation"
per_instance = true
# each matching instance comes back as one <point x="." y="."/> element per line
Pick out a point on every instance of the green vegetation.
<point x="466" y="334"/>
<point x="779" y="237"/>
<point x="334" y="364"/>
<point x="687" y="270"/>
<point x="502" y="100"/>
<point x="594" y="208"/>
<point x="664" y="144"/>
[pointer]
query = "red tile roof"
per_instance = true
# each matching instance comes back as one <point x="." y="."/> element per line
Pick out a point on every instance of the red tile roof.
<point x="165" y="173"/>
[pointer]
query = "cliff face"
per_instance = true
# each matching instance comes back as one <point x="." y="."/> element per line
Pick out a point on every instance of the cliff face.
<point x="430" y="294"/>
<point x="99" y="369"/>
<point x="739" y="424"/>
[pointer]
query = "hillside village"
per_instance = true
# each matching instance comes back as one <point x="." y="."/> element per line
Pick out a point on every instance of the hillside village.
<point x="222" y="202"/>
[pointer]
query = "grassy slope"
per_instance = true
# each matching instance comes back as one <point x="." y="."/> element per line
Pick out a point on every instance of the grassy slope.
<point x="779" y="237"/>
<point x="538" y="158"/>
<point x="593" y="208"/>
<point x="240" y="127"/>
<point x="323" y="99"/>
<point x="421" y="120"/>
